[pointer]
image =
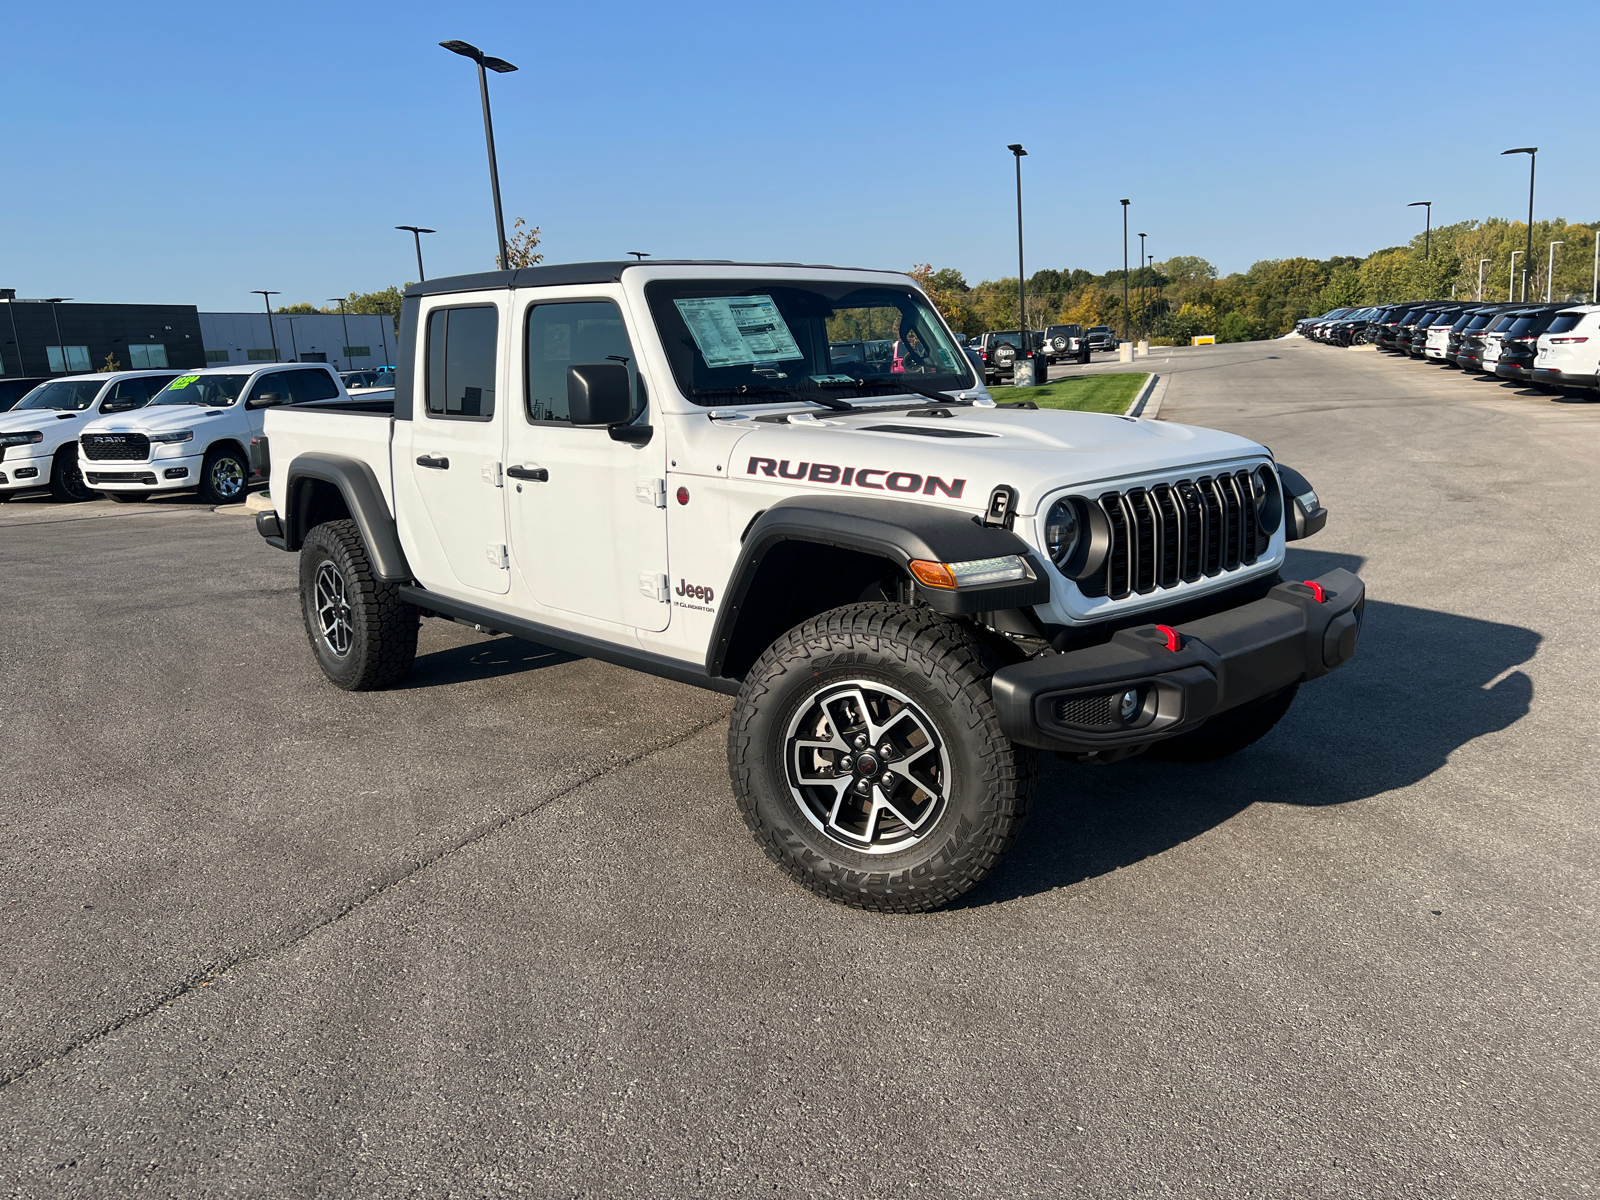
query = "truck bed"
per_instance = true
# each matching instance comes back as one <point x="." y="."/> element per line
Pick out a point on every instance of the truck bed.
<point x="359" y="428"/>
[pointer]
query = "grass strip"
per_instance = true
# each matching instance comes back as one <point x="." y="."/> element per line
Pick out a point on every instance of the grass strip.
<point x="1111" y="393"/>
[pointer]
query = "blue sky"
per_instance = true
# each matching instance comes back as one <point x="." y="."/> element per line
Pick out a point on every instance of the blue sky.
<point x="190" y="153"/>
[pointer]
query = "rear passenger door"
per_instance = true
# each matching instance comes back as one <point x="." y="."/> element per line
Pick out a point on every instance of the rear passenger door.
<point x="454" y="461"/>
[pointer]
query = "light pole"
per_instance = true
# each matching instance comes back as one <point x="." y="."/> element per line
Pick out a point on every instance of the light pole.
<point x="1511" y="288"/>
<point x="1550" y="273"/>
<point x="11" y="311"/>
<point x="1017" y="152"/>
<point x="1533" y="160"/>
<point x="501" y="66"/>
<point x="1481" y="261"/>
<point x="339" y="300"/>
<point x="1152" y="266"/>
<point x="266" y="298"/>
<point x="60" y="345"/>
<point x="1143" y="332"/>
<point x="1594" y="295"/>
<point x="1124" y="270"/>
<point x="1427" y="231"/>
<point x="294" y="344"/>
<point x="416" y="232"/>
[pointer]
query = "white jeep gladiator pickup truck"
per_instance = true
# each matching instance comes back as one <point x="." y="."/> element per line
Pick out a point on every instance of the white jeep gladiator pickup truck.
<point x="909" y="588"/>
<point x="196" y="433"/>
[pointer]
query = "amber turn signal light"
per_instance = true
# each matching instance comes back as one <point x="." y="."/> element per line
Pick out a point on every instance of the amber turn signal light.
<point x="932" y="574"/>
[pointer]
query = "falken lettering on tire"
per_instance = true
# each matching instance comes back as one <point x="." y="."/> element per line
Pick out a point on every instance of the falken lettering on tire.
<point x="894" y="481"/>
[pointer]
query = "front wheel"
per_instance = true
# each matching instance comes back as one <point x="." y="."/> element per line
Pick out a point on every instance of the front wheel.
<point x="1227" y="733"/>
<point x="223" y="477"/>
<point x="363" y="634"/>
<point x="868" y="761"/>
<point x="66" y="479"/>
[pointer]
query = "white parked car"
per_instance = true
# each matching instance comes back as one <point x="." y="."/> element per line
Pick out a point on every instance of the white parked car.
<point x="196" y="434"/>
<point x="39" y="435"/>
<point x="1569" y="351"/>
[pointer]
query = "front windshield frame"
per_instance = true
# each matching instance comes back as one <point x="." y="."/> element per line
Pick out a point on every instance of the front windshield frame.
<point x="86" y="390"/>
<point x="807" y="306"/>
<point x="203" y="390"/>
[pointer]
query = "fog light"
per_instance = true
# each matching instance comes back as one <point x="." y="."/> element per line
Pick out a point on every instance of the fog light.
<point x="176" y="473"/>
<point x="27" y="472"/>
<point x="1128" y="709"/>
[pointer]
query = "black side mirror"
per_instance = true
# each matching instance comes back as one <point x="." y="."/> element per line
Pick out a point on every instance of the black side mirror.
<point x="265" y="400"/>
<point x="597" y="394"/>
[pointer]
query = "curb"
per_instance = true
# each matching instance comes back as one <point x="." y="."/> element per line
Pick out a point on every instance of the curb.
<point x="1136" y="409"/>
<point x="258" y="502"/>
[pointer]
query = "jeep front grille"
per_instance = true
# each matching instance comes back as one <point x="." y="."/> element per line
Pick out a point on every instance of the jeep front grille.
<point x="1177" y="532"/>
<point x="115" y="447"/>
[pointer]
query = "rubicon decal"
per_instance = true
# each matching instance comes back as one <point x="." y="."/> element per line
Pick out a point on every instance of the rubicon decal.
<point x="872" y="478"/>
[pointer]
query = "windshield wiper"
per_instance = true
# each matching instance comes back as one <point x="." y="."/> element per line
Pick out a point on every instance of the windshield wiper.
<point x="746" y="389"/>
<point x="909" y="388"/>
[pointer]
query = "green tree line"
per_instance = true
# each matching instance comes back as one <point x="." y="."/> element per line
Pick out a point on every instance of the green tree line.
<point x="1184" y="296"/>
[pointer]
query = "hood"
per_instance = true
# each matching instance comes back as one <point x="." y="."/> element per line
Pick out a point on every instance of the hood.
<point x="958" y="460"/>
<point x="158" y="418"/>
<point x="44" y="419"/>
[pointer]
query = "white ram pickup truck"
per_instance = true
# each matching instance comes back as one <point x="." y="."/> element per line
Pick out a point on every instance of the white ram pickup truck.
<point x="39" y="437"/>
<point x="196" y="434"/>
<point x="909" y="588"/>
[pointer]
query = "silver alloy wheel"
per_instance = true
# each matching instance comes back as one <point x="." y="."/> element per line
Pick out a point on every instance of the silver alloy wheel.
<point x="867" y="766"/>
<point x="227" y="477"/>
<point x="333" y="611"/>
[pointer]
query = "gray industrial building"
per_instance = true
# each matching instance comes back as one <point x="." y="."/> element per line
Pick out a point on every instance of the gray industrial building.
<point x="245" y="337"/>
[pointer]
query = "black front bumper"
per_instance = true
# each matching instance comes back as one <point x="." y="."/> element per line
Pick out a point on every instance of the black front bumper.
<point x="1073" y="701"/>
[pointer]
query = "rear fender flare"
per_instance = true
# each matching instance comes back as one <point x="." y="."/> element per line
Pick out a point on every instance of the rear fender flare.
<point x="363" y="497"/>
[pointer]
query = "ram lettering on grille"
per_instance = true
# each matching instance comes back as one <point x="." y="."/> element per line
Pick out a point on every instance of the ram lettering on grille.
<point x="1179" y="532"/>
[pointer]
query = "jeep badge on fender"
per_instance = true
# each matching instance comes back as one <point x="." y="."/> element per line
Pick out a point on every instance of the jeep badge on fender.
<point x="909" y="590"/>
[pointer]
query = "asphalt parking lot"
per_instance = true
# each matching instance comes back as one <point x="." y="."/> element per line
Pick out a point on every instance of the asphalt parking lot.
<point x="502" y="932"/>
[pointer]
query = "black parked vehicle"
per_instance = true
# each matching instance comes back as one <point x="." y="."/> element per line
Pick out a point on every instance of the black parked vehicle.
<point x="1386" y="330"/>
<point x="1468" y="322"/>
<point x="12" y="390"/>
<point x="1000" y="350"/>
<point x="1470" y="356"/>
<point x="1520" y="345"/>
<point x="1407" y="339"/>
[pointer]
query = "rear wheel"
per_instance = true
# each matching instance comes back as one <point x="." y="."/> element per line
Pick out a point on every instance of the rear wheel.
<point x="363" y="634"/>
<point x="66" y="480"/>
<point x="1229" y="732"/>
<point x="867" y="759"/>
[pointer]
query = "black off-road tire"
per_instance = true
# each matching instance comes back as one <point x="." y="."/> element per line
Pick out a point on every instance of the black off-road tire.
<point x="379" y="638"/>
<point x="66" y="480"/>
<point x="127" y="497"/>
<point x="211" y="490"/>
<point x="1229" y="732"/>
<point x="943" y="671"/>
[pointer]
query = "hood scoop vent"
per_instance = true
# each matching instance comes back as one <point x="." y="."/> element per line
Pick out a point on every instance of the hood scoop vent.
<point x="934" y="431"/>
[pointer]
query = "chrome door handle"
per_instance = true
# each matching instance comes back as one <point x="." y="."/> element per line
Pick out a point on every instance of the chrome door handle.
<point x="438" y="464"/>
<point x="537" y="474"/>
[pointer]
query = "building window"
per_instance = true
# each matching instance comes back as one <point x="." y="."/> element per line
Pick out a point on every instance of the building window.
<point x="358" y="351"/>
<point x="262" y="355"/>
<point x="75" y="359"/>
<point x="147" y="356"/>
<point x="314" y="356"/>
<point x="216" y="356"/>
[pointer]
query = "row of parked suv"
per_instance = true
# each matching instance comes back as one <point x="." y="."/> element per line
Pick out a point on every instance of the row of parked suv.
<point x="995" y="353"/>
<point x="129" y="435"/>
<point x="1552" y="346"/>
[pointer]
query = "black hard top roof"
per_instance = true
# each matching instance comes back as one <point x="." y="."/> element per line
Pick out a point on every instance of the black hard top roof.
<point x="563" y="274"/>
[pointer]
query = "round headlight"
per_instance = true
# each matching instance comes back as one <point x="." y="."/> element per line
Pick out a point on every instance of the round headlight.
<point x="1267" y="498"/>
<point x="1062" y="531"/>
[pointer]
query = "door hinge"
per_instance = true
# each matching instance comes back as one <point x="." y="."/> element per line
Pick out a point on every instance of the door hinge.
<point x="498" y="558"/>
<point x="651" y="491"/>
<point x="654" y="586"/>
<point x="492" y="475"/>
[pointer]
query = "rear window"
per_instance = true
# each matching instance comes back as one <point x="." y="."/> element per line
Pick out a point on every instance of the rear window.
<point x="1565" y="322"/>
<point x="1521" y="326"/>
<point x="1502" y="322"/>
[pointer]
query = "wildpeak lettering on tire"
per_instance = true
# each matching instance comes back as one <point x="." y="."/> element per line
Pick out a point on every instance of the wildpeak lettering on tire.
<point x="873" y="478"/>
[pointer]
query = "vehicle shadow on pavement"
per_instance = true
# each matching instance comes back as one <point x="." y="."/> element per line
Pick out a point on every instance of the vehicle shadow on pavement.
<point x="1422" y="685"/>
<point x="482" y="660"/>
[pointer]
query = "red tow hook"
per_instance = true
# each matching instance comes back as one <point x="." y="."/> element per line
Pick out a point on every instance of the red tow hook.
<point x="1173" y="640"/>
<point x="1317" y="593"/>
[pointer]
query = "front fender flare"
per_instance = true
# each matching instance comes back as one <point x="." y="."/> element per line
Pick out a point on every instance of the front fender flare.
<point x="362" y="496"/>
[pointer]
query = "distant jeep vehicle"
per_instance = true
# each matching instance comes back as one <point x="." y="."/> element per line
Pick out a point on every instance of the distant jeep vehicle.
<point x="1101" y="338"/>
<point x="1000" y="351"/>
<point x="909" y="589"/>
<point x="1062" y="342"/>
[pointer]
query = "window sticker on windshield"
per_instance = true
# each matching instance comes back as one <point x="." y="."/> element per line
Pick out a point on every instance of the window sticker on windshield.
<point x="182" y="381"/>
<point x="844" y="380"/>
<point x="735" y="331"/>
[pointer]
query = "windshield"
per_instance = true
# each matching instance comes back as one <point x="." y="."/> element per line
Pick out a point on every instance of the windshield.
<point x="755" y="338"/>
<point x="66" y="395"/>
<point x="210" y="391"/>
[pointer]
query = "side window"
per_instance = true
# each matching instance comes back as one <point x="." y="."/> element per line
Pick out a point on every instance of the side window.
<point x="312" y="385"/>
<point x="569" y="334"/>
<point x="461" y="363"/>
<point x="126" y="394"/>
<point x="272" y="381"/>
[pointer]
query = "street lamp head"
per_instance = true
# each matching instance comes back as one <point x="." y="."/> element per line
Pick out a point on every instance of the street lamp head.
<point x="57" y="299"/>
<point x="1420" y="203"/>
<point x="1144" y="235"/>
<point x="1124" y="203"/>
<point x="415" y="229"/>
<point x="1522" y="150"/>
<point x="1016" y="148"/>
<point x="638" y="255"/>
<point x="465" y="49"/>
<point x="497" y="64"/>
